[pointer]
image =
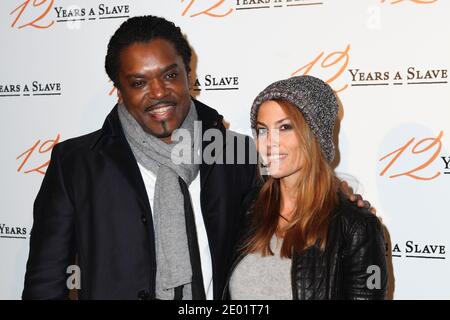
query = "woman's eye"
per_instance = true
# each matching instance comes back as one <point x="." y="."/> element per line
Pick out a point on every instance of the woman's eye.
<point x="261" y="131"/>
<point x="285" y="127"/>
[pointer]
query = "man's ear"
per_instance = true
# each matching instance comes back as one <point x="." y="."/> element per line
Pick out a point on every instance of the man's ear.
<point x="119" y="96"/>
<point x="190" y="80"/>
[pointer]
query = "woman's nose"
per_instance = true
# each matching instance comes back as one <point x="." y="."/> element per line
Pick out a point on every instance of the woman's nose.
<point x="273" y="138"/>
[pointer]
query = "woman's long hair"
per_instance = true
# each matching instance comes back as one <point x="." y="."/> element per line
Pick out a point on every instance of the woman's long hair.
<point x="316" y="198"/>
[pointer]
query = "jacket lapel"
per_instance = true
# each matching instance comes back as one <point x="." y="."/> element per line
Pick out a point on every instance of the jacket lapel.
<point x="113" y="144"/>
<point x="212" y="215"/>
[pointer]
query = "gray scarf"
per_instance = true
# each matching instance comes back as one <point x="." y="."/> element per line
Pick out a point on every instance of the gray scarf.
<point x="172" y="252"/>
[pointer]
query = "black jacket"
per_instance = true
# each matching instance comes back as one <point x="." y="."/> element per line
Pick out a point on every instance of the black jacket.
<point x="343" y="270"/>
<point x="93" y="207"/>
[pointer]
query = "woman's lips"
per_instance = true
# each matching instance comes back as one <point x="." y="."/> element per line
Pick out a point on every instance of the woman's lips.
<point x="276" y="157"/>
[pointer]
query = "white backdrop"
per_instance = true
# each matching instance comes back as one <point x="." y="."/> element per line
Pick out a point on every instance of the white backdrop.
<point x="388" y="60"/>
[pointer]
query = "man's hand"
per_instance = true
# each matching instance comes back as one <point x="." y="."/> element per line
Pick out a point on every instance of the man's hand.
<point x="360" y="202"/>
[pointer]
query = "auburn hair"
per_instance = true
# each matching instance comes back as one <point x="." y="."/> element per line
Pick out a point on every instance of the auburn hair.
<point x="317" y="196"/>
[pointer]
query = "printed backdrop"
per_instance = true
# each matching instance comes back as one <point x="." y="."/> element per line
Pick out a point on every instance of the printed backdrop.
<point x="388" y="61"/>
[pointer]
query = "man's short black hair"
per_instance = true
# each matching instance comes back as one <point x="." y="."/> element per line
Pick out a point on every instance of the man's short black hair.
<point x="140" y="30"/>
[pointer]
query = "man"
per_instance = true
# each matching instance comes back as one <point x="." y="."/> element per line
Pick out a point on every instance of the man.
<point x="139" y="225"/>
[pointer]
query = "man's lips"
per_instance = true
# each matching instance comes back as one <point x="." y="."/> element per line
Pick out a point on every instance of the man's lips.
<point x="158" y="106"/>
<point x="162" y="111"/>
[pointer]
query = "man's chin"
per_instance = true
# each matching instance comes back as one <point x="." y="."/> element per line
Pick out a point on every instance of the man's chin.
<point x="160" y="135"/>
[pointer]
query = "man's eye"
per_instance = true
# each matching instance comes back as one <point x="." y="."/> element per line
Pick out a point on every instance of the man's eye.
<point x="172" y="75"/>
<point x="137" y="84"/>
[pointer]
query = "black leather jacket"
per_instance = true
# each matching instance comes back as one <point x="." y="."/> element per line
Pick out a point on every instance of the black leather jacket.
<point x="354" y="259"/>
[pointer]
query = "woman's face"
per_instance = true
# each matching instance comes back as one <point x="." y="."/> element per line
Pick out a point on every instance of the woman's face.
<point x="277" y="141"/>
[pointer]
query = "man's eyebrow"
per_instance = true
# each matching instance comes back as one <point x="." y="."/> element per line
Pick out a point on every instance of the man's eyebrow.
<point x="172" y="66"/>
<point x="164" y="70"/>
<point x="136" y="75"/>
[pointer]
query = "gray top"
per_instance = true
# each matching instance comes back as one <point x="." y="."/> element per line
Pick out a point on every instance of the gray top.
<point x="262" y="278"/>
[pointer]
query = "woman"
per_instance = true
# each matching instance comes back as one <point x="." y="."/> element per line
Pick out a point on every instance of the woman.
<point x="301" y="238"/>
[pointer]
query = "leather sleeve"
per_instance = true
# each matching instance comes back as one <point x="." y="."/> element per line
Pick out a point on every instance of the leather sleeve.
<point x="364" y="263"/>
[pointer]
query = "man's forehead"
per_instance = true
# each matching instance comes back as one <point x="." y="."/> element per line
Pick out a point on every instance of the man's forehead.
<point x="141" y="58"/>
<point x="155" y="47"/>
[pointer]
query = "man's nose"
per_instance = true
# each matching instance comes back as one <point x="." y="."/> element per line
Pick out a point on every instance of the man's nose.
<point x="157" y="89"/>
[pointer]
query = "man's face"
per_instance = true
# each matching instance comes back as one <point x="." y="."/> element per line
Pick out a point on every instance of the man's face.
<point x="154" y="86"/>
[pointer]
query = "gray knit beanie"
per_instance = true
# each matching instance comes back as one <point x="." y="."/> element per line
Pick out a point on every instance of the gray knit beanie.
<point x="314" y="98"/>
